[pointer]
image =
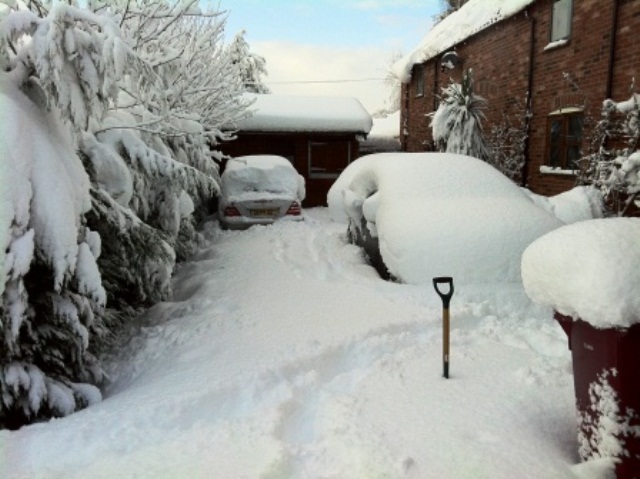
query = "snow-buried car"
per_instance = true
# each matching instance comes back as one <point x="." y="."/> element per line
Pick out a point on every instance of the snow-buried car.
<point x="422" y="215"/>
<point x="258" y="190"/>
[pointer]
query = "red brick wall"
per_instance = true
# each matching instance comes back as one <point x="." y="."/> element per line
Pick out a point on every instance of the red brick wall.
<point x="499" y="56"/>
<point x="500" y="68"/>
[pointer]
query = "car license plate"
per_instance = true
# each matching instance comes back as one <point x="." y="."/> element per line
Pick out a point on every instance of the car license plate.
<point x="264" y="213"/>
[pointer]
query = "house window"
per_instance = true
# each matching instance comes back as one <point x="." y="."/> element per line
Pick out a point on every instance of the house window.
<point x="561" y="20"/>
<point x="418" y="73"/>
<point x="328" y="159"/>
<point x="564" y="138"/>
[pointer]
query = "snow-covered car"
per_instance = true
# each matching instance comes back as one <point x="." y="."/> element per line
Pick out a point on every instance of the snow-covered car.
<point x="258" y="190"/>
<point x="423" y="215"/>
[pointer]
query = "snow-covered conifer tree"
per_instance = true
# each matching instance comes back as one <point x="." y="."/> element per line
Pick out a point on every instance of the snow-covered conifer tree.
<point x="252" y="66"/>
<point x="52" y="293"/>
<point x="113" y="110"/>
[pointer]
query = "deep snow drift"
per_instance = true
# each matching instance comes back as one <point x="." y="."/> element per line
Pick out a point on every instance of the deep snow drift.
<point x="283" y="355"/>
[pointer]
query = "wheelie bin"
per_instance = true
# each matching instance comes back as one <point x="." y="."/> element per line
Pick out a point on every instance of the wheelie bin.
<point x="606" y="372"/>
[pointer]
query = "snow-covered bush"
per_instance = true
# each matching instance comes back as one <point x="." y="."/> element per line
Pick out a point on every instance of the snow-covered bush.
<point x="52" y="295"/>
<point x="112" y="110"/>
<point x="614" y="163"/>
<point x="506" y="142"/>
<point x="457" y="123"/>
<point x="252" y="66"/>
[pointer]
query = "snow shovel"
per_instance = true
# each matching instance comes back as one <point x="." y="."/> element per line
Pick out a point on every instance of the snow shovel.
<point x="446" y="299"/>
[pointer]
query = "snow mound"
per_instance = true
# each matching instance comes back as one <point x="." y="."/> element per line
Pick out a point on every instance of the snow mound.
<point x="578" y="204"/>
<point x="589" y="270"/>
<point x="441" y="214"/>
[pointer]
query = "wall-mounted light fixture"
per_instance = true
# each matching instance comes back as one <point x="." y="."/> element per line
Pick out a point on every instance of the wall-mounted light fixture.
<point x="450" y="60"/>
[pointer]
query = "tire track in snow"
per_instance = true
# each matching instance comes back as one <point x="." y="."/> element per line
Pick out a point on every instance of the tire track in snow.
<point x="322" y="385"/>
<point x="320" y="254"/>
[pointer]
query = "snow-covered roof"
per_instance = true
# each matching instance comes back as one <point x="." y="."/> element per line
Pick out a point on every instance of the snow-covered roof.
<point x="280" y="113"/>
<point x="473" y="17"/>
<point x="388" y="127"/>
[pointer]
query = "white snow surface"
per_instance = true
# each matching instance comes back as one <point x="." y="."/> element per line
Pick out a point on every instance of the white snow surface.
<point x="441" y="214"/>
<point x="578" y="204"/>
<point x="588" y="270"/>
<point x="292" y="113"/>
<point x="283" y="355"/>
<point x="473" y="17"/>
<point x="387" y="127"/>
<point x="249" y="177"/>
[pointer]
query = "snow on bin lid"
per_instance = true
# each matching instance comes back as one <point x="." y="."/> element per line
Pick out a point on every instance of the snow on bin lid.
<point x="285" y="113"/>
<point x="588" y="270"/>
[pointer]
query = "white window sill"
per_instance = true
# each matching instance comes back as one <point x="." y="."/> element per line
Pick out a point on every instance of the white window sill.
<point x="550" y="170"/>
<point x="556" y="44"/>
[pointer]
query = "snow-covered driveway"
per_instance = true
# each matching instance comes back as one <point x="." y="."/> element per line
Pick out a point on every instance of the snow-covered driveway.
<point x="283" y="355"/>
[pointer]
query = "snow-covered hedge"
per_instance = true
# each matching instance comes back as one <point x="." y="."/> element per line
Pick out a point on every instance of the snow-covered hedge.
<point x="109" y="111"/>
<point x="613" y="166"/>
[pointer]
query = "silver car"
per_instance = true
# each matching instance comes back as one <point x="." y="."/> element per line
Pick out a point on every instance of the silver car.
<point x="258" y="190"/>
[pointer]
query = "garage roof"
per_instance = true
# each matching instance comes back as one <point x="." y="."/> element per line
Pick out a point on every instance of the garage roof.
<point x="284" y="113"/>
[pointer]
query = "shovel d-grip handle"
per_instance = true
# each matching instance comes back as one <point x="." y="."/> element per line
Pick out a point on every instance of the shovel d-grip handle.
<point x="446" y="297"/>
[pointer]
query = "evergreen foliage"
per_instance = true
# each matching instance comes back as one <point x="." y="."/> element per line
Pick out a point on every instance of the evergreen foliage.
<point x="613" y="166"/>
<point x="457" y="123"/>
<point x="123" y="101"/>
<point x="252" y="66"/>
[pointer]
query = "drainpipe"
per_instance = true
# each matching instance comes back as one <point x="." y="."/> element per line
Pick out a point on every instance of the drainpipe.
<point x="527" y="141"/>
<point x="404" y="123"/>
<point x="436" y="61"/>
<point x="612" y="48"/>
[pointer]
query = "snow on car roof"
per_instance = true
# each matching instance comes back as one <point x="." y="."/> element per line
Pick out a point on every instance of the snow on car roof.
<point x="305" y="113"/>
<point x="473" y="17"/>
<point x="246" y="175"/>
<point x="441" y="214"/>
<point x="257" y="161"/>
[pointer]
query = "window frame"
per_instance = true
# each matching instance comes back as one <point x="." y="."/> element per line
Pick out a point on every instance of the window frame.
<point x="319" y="173"/>
<point x="569" y="12"/>
<point x="566" y="141"/>
<point x="418" y="73"/>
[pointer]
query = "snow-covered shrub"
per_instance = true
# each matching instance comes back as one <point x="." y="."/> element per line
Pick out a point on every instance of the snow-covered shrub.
<point x="252" y="66"/>
<point x="109" y="114"/>
<point x="613" y="166"/>
<point x="457" y="123"/>
<point x="52" y="295"/>
<point x="506" y="142"/>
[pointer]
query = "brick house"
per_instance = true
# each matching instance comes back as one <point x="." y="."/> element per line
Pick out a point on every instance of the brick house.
<point x="319" y="135"/>
<point x="561" y="57"/>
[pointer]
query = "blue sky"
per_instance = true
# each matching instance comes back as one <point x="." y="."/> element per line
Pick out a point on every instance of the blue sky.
<point x="330" y="40"/>
<point x="345" y="23"/>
